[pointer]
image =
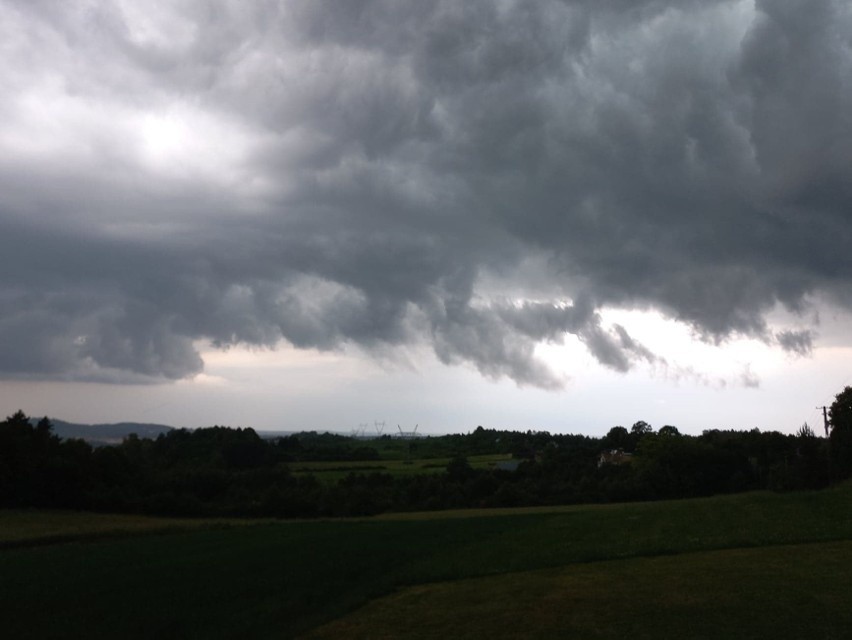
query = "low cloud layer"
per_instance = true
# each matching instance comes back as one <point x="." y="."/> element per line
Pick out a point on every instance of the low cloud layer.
<point x="354" y="172"/>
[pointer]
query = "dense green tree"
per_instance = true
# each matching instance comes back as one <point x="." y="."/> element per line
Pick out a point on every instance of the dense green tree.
<point x="638" y="432"/>
<point x="810" y="464"/>
<point x="459" y="469"/>
<point x="840" y="413"/>
<point x="617" y="438"/>
<point x="840" y="419"/>
<point x="668" y="430"/>
<point x="39" y="469"/>
<point x="679" y="467"/>
<point x="805" y="431"/>
<point x="640" y="428"/>
<point x="225" y="471"/>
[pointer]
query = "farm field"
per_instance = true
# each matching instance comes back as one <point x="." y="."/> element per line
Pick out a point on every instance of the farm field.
<point x="288" y="579"/>
<point x="29" y="527"/>
<point x="329" y="472"/>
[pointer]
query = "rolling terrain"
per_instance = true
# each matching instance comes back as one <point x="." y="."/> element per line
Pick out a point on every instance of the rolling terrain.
<point x="766" y="563"/>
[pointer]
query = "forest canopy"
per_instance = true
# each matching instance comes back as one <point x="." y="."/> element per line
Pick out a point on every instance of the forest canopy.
<point x="234" y="471"/>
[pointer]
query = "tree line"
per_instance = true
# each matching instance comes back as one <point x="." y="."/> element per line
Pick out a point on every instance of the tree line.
<point x="235" y="472"/>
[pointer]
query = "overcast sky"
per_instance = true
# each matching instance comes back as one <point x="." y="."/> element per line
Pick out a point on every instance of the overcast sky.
<point x="522" y="214"/>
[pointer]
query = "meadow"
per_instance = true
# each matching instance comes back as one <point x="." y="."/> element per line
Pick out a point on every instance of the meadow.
<point x="747" y="565"/>
<point x="329" y="472"/>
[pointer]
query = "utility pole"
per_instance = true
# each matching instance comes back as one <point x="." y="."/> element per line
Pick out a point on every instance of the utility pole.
<point x="824" y="419"/>
<point x="830" y="452"/>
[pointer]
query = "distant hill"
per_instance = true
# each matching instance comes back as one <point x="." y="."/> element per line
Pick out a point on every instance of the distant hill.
<point x="112" y="433"/>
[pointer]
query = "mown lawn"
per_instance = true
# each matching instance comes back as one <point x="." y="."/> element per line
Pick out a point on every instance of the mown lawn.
<point x="284" y="579"/>
<point x="800" y="591"/>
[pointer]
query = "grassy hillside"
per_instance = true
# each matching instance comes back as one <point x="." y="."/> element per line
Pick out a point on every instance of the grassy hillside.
<point x="799" y="591"/>
<point x="283" y="579"/>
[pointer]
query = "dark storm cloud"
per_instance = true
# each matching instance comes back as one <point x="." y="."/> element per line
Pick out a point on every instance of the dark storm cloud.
<point x="352" y="172"/>
<point x="797" y="342"/>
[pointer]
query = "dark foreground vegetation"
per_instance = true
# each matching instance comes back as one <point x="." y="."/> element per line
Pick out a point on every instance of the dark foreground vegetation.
<point x="220" y="471"/>
<point x="754" y="565"/>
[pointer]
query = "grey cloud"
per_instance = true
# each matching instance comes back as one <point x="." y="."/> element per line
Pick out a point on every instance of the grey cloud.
<point x="632" y="346"/>
<point x="749" y="379"/>
<point x="480" y="338"/>
<point x="613" y="348"/>
<point x="797" y="342"/>
<point x="360" y="167"/>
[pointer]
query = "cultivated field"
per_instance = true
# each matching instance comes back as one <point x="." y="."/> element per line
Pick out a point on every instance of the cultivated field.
<point x="330" y="472"/>
<point x="30" y="527"/>
<point x="751" y="565"/>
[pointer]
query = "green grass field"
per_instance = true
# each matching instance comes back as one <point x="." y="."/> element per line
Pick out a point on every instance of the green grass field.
<point x="799" y="591"/>
<point x="328" y="472"/>
<point x="760" y="564"/>
<point x="22" y="528"/>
